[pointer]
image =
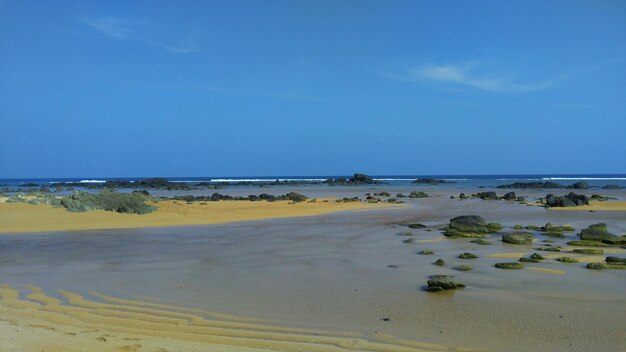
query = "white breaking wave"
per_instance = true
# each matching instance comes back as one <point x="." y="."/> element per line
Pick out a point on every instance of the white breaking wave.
<point x="585" y="178"/>
<point x="91" y="181"/>
<point x="265" y="179"/>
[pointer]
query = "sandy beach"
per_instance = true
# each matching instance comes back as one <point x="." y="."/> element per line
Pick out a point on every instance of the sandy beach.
<point x="323" y="276"/>
<point x="22" y="217"/>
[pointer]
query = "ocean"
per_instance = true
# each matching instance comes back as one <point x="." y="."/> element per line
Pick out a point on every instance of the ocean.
<point x="456" y="181"/>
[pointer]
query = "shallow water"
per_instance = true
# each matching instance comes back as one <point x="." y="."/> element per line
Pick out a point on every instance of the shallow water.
<point x="332" y="272"/>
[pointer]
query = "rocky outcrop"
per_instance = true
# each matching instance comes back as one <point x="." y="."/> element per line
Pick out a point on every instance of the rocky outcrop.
<point x="569" y="200"/>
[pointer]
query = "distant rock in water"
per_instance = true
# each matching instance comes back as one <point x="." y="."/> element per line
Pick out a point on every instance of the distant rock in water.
<point x="532" y="185"/>
<point x="355" y="180"/>
<point x="431" y="181"/>
<point x="569" y="200"/>
<point x="612" y="187"/>
<point x="579" y="185"/>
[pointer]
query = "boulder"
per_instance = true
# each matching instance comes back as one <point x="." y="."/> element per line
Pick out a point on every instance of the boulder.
<point x="569" y="200"/>
<point x="439" y="262"/>
<point x="443" y="285"/>
<point x="536" y="256"/>
<point x="599" y="232"/>
<point x="467" y="255"/>
<point x="469" y="223"/>
<point x="518" y="238"/>
<point x="509" y="265"/>
<point x="579" y="185"/>
<point x="486" y="195"/>
<point x="509" y="196"/>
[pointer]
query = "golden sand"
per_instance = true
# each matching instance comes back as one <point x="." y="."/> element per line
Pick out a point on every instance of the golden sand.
<point x="547" y="271"/>
<point x="40" y="322"/>
<point x="22" y="217"/>
<point x="596" y="205"/>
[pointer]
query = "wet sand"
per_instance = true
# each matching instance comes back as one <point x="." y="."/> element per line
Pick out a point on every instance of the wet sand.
<point x="22" y="217"/>
<point x="327" y="275"/>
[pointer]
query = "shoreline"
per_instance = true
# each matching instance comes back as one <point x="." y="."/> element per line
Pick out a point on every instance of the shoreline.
<point x="27" y="218"/>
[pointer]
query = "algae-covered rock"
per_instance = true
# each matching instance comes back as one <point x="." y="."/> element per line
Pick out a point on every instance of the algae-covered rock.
<point x="481" y="242"/>
<point x="425" y="252"/>
<point x="549" y="249"/>
<point x="586" y="243"/>
<point x="567" y="260"/>
<point x="416" y="226"/>
<point x="469" y="223"/>
<point x="418" y="194"/>
<point x="599" y="232"/>
<point x="554" y="234"/>
<point x="528" y="260"/>
<point x="615" y="260"/>
<point x="518" y="238"/>
<point x="443" y="285"/>
<point x="588" y="251"/>
<point x="518" y="227"/>
<point x="509" y="265"/>
<point x="494" y="227"/>
<point x="440" y="277"/>
<point x="467" y="255"/>
<point x="597" y="266"/>
<point x="533" y="227"/>
<point x="537" y="256"/>
<point x="439" y="262"/>
<point x="453" y="233"/>
<point x="408" y="241"/>
<point x="463" y="268"/>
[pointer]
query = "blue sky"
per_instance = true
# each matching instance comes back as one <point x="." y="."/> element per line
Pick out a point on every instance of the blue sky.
<point x="208" y="88"/>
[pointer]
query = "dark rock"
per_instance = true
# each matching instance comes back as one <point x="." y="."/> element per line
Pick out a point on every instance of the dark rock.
<point x="431" y="181"/>
<point x="531" y="185"/>
<point x="467" y="255"/>
<point x="588" y="251"/>
<point x="416" y="194"/>
<point x="486" y="195"/>
<point x="481" y="242"/>
<point x="612" y="187"/>
<point x="416" y="226"/>
<point x="579" y="185"/>
<point x="599" y="232"/>
<point x="509" y="196"/>
<point x="439" y="285"/>
<point x="463" y="268"/>
<point x="570" y="200"/>
<point x="439" y="262"/>
<point x="615" y="260"/>
<point x="518" y="238"/>
<point x="509" y="265"/>
<point x="567" y="260"/>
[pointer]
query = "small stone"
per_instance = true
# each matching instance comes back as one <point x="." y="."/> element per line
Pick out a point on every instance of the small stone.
<point x="439" y="262"/>
<point x="467" y="255"/>
<point x="509" y="265"/>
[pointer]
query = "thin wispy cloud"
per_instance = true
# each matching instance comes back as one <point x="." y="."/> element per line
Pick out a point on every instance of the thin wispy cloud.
<point x="113" y="27"/>
<point x="143" y="31"/>
<point x="469" y="76"/>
